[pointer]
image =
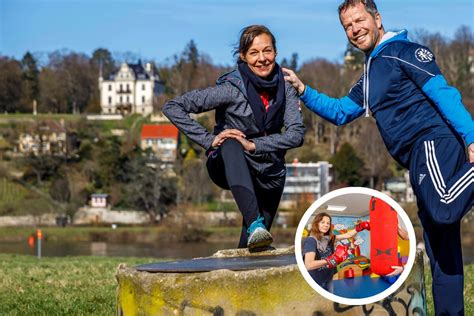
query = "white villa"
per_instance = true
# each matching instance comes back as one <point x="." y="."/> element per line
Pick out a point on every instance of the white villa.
<point x="130" y="90"/>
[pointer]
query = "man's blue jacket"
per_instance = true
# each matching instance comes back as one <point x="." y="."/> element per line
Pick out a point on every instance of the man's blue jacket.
<point x="407" y="95"/>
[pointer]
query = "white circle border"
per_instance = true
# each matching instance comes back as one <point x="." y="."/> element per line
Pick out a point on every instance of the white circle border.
<point x="353" y="301"/>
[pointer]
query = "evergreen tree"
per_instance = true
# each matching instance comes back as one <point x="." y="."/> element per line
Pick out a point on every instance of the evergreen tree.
<point x="348" y="166"/>
<point x="30" y="82"/>
<point x="103" y="62"/>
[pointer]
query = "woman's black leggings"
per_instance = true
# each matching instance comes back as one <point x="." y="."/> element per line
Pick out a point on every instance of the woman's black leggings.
<point x="254" y="194"/>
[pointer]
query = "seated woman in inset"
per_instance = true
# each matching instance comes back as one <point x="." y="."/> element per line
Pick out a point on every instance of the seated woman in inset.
<point x="258" y="118"/>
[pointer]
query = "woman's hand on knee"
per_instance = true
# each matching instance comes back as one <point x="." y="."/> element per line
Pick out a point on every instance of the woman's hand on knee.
<point x="225" y="134"/>
<point x="247" y="144"/>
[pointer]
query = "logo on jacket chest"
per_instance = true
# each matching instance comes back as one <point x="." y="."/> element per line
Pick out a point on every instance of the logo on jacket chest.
<point x="423" y="55"/>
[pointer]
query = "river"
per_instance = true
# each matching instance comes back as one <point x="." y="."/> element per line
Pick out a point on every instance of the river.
<point x="174" y="250"/>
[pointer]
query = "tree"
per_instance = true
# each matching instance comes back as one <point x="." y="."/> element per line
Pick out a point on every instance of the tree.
<point x="190" y="70"/>
<point x="460" y="48"/>
<point x="30" y="82"/>
<point x="67" y="83"/>
<point x="82" y="81"/>
<point x="109" y="159"/>
<point x="10" y="84"/>
<point x="333" y="85"/>
<point x="376" y="158"/>
<point x="53" y="92"/>
<point x="191" y="54"/>
<point x="103" y="62"/>
<point x="195" y="185"/>
<point x="292" y="63"/>
<point x="149" y="189"/>
<point x="348" y="166"/>
<point x="40" y="167"/>
<point x="59" y="189"/>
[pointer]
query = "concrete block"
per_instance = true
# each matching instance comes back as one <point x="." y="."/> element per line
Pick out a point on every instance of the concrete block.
<point x="270" y="291"/>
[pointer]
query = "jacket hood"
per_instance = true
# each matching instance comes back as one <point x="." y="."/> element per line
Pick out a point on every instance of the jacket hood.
<point x="388" y="38"/>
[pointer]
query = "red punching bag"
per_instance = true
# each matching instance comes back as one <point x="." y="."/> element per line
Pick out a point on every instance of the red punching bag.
<point x="383" y="237"/>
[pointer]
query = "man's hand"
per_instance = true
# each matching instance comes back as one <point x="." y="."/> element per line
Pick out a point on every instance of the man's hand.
<point x="294" y="80"/>
<point x="228" y="133"/>
<point x="470" y="151"/>
<point x="402" y="233"/>
<point x="397" y="270"/>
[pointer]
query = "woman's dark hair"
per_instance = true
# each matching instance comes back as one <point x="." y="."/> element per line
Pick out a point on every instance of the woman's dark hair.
<point x="315" y="228"/>
<point x="248" y="34"/>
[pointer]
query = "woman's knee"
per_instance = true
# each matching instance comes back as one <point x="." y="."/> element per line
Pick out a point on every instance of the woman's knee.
<point x="232" y="144"/>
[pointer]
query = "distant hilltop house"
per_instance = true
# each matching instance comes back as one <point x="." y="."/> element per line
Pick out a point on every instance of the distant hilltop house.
<point x="161" y="139"/>
<point x="99" y="200"/>
<point x="99" y="212"/>
<point x="130" y="90"/>
<point x="46" y="138"/>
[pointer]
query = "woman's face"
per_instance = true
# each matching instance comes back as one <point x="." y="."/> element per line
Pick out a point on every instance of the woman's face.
<point x="324" y="225"/>
<point x="260" y="57"/>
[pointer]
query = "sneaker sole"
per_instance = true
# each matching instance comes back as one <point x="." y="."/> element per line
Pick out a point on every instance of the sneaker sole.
<point x="259" y="238"/>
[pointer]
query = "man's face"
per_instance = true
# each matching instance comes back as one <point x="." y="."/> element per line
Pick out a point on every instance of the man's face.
<point x="362" y="29"/>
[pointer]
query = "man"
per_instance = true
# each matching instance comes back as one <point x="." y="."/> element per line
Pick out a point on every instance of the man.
<point x="424" y="126"/>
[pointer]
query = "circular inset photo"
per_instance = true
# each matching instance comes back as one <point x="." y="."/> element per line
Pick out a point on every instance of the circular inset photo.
<point x="355" y="246"/>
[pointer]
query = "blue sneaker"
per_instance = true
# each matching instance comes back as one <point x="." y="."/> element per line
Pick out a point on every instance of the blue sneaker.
<point x="258" y="235"/>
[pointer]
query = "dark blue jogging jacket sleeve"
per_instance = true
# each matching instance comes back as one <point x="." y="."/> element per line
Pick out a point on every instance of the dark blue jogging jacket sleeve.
<point x="419" y="63"/>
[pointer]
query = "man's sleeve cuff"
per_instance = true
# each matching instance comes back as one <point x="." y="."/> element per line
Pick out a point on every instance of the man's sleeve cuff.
<point x="469" y="139"/>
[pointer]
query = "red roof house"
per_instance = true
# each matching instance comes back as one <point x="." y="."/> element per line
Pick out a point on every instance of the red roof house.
<point x="161" y="139"/>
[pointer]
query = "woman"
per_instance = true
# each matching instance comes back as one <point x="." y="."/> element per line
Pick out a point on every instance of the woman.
<point x="319" y="255"/>
<point x="246" y="150"/>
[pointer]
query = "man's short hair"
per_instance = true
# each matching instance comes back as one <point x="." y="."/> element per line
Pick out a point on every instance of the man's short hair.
<point x="369" y="5"/>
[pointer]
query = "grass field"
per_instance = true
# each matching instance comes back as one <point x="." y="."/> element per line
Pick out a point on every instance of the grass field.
<point x="86" y="285"/>
<point x="59" y="286"/>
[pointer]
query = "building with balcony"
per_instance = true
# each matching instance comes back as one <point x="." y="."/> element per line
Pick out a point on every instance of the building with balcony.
<point x="399" y="188"/>
<point x="130" y="90"/>
<point x="305" y="182"/>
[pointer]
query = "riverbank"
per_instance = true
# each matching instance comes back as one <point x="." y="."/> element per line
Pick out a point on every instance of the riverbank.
<point x="86" y="285"/>
<point x="138" y="234"/>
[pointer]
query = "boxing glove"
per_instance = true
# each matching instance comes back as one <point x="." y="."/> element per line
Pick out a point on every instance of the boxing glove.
<point x="340" y="254"/>
<point x="362" y="226"/>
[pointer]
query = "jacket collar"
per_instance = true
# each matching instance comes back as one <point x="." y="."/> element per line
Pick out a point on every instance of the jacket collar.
<point x="388" y="38"/>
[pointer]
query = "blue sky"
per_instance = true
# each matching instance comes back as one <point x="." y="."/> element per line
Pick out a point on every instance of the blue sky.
<point x="157" y="29"/>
